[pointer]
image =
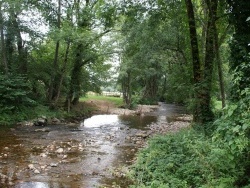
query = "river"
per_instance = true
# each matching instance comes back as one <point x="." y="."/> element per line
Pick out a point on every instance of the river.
<point x="86" y="155"/>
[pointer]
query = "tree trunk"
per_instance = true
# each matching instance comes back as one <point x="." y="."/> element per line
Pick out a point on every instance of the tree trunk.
<point x="196" y="60"/>
<point x="4" y="59"/>
<point x="54" y="85"/>
<point x="22" y="57"/>
<point x="219" y="65"/>
<point x="126" y="89"/>
<point x="207" y="114"/>
<point x="9" y="44"/>
<point x="79" y="61"/>
<point x="62" y="73"/>
<point x="75" y="82"/>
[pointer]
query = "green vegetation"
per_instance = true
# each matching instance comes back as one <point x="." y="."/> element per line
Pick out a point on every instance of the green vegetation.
<point x="117" y="101"/>
<point x="194" y="53"/>
<point x="211" y="153"/>
<point x="189" y="159"/>
<point x="29" y="113"/>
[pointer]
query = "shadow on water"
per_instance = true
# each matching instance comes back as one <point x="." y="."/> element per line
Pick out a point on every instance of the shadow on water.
<point x="89" y="151"/>
<point x="138" y="122"/>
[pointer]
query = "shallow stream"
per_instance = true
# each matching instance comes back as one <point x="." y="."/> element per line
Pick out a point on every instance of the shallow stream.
<point x="86" y="155"/>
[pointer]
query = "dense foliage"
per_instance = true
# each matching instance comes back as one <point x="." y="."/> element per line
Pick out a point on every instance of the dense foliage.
<point x="187" y="159"/>
<point x="220" y="157"/>
<point x="54" y="52"/>
<point x="61" y="53"/>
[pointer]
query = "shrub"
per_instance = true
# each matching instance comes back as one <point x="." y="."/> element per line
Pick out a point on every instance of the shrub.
<point x="185" y="159"/>
<point x="14" y="93"/>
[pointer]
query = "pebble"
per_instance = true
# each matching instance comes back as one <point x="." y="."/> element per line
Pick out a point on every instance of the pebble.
<point x="60" y="150"/>
<point x="53" y="164"/>
<point x="31" y="166"/>
<point x="43" y="167"/>
<point x="6" y="148"/>
<point x="43" y="155"/>
<point x="36" y="171"/>
<point x="11" y="184"/>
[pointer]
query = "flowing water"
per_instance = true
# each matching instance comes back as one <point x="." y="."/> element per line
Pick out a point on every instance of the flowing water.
<point x="85" y="155"/>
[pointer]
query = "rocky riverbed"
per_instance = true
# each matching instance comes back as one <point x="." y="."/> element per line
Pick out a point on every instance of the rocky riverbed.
<point x="91" y="153"/>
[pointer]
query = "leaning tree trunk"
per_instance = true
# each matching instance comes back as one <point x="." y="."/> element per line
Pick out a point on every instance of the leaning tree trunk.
<point x="75" y="82"/>
<point x="62" y="75"/>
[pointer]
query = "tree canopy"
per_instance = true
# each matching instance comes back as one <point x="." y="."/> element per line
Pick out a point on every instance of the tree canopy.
<point x="193" y="53"/>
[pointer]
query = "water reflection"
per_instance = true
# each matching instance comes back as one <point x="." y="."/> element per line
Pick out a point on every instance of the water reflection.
<point x="34" y="185"/>
<point x="102" y="142"/>
<point x="137" y="122"/>
<point x="101" y="120"/>
<point x="132" y="121"/>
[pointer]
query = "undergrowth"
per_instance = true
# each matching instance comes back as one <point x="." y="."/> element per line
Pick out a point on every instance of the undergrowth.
<point x="185" y="159"/>
<point x="190" y="158"/>
<point x="28" y="113"/>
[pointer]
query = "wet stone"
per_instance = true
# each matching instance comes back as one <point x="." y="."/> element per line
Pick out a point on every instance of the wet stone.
<point x="6" y="148"/>
<point x="43" y="155"/>
<point x="53" y="164"/>
<point x="31" y="166"/>
<point x="60" y="150"/>
<point x="36" y="171"/>
<point x="42" y="130"/>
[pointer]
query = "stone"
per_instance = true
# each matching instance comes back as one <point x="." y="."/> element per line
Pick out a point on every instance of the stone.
<point x="11" y="184"/>
<point x="59" y="150"/>
<point x="41" y="122"/>
<point x="42" y="130"/>
<point x="43" y="167"/>
<point x="28" y="123"/>
<point x="36" y="171"/>
<point x="55" y="120"/>
<point x="142" y="135"/>
<point x="53" y="164"/>
<point x="31" y="166"/>
<point x="43" y="155"/>
<point x="6" y="148"/>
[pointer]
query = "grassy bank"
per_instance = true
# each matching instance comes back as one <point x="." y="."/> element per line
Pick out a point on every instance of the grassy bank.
<point x="82" y="109"/>
<point x="186" y="159"/>
<point x="117" y="101"/>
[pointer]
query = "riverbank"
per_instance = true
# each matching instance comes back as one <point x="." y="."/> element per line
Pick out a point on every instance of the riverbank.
<point x="77" y="154"/>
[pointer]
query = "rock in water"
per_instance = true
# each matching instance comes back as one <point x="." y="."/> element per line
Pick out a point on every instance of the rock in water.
<point x="41" y="122"/>
<point x="53" y="164"/>
<point x="60" y="150"/>
<point x="36" y="171"/>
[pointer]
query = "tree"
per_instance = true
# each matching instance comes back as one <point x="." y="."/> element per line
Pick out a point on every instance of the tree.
<point x="196" y="59"/>
<point x="154" y="43"/>
<point x="53" y="88"/>
<point x="3" y="51"/>
<point x="239" y="13"/>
